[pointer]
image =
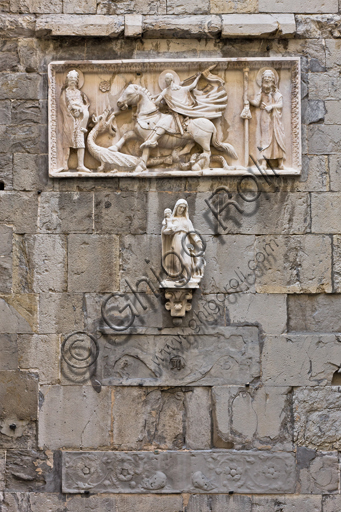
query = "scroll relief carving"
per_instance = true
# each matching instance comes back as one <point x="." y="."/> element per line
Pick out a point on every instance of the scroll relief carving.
<point x="174" y="118"/>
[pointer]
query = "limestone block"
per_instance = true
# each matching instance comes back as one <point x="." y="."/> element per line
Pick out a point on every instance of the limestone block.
<point x="269" y="311"/>
<point x="245" y="417"/>
<point x="2" y="471"/>
<point x="40" y="353"/>
<point x="30" y="138"/>
<point x="182" y="27"/>
<point x="286" y="504"/>
<point x="315" y="174"/>
<point x="218" y="503"/>
<point x="299" y="6"/>
<point x="122" y="503"/>
<point x="318" y="471"/>
<point x="335" y="173"/>
<point x="120" y="212"/>
<point x="317" y="418"/>
<point x="6" y="171"/>
<point x="14" y="502"/>
<point x="324" y="86"/>
<point x="40" y="263"/>
<point x="18" y="395"/>
<point x="61" y="405"/>
<point x="300" y="360"/>
<point x="230" y="6"/>
<point x="175" y="471"/>
<point x="333" y="51"/>
<point x="29" y="172"/>
<point x="184" y="7"/>
<point x="5" y="112"/>
<point x="80" y="7"/>
<point x="313" y="111"/>
<point x="17" y="25"/>
<point x="331" y="503"/>
<point x="258" y="25"/>
<point x="36" y="6"/>
<point x="22" y="86"/>
<point x="133" y="25"/>
<point x="60" y="312"/>
<point x="317" y="313"/>
<point x="131" y="7"/>
<point x="32" y="470"/>
<point x="333" y="112"/>
<point x="47" y="502"/>
<point x="317" y="25"/>
<point x="198" y="420"/>
<point x="79" y="25"/>
<point x="93" y="263"/>
<point x="296" y="265"/>
<point x="12" y="207"/>
<point x="18" y="313"/>
<point x="9" y="352"/>
<point x="66" y="212"/>
<point x="325" y="211"/>
<point x="5" y="259"/>
<point x="324" y="139"/>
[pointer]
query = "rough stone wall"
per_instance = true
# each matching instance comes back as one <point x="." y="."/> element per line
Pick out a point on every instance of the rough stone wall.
<point x="65" y="244"/>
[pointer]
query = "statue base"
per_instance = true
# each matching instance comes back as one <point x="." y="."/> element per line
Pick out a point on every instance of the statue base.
<point x="178" y="301"/>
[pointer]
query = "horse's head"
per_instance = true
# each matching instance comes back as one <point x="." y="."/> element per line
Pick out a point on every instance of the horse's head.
<point x="105" y="121"/>
<point x="130" y="96"/>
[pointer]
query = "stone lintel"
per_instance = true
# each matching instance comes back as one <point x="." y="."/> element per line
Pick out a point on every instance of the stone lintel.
<point x="258" y="25"/>
<point x="79" y="25"/>
<point x="133" y="25"/>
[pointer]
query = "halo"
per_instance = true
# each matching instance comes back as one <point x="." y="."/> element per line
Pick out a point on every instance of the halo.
<point x="260" y="73"/>
<point x="80" y="74"/>
<point x="162" y="82"/>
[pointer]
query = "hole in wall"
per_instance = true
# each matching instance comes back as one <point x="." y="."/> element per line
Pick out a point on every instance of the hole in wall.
<point x="336" y="380"/>
<point x="2" y="185"/>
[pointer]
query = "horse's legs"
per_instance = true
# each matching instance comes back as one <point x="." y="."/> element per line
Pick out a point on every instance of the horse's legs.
<point x="128" y="135"/>
<point x="187" y="148"/>
<point x="204" y="141"/>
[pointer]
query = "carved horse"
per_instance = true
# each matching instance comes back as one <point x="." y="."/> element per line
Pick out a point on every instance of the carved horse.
<point x="200" y="130"/>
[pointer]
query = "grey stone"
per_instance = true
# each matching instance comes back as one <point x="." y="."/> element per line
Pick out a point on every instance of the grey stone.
<point x="332" y="51"/>
<point x="287" y="504"/>
<point x="295" y="264"/>
<point x="133" y="25"/>
<point x="195" y="472"/>
<point x="218" y="503"/>
<point x="5" y="112"/>
<point x="28" y="111"/>
<point x="182" y="7"/>
<point x="40" y="263"/>
<point x="93" y="263"/>
<point x="30" y="138"/>
<point x="325" y="211"/>
<point x="17" y="25"/>
<point x="79" y="25"/>
<point x="335" y="173"/>
<point x="131" y="7"/>
<point x="317" y="25"/>
<point x="333" y="112"/>
<point x="317" y="418"/>
<point x="2" y="472"/>
<point x="336" y="263"/>
<point x="47" y="502"/>
<point x="6" y="171"/>
<point x="29" y="171"/>
<point x="18" y="395"/>
<point x="41" y="353"/>
<point x="315" y="175"/>
<point x="223" y="356"/>
<point x="320" y="475"/>
<point x="120" y="212"/>
<point x="313" y="111"/>
<point x="20" y="86"/>
<point x="300" y="360"/>
<point x="14" y="502"/>
<point x="123" y="503"/>
<point x="324" y="139"/>
<point x="317" y="313"/>
<point x="80" y="7"/>
<point x="36" y="6"/>
<point x="246" y="417"/>
<point x="198" y="419"/>
<point x="331" y="503"/>
<point x="324" y="86"/>
<point x="5" y="259"/>
<point x="258" y="25"/>
<point x="66" y="212"/>
<point x="32" y="470"/>
<point x="18" y="313"/>
<point x="60" y="312"/>
<point x="231" y="6"/>
<point x="9" y="352"/>
<point x="58" y="410"/>
<point x="183" y="26"/>
<point x="12" y="207"/>
<point x="299" y="6"/>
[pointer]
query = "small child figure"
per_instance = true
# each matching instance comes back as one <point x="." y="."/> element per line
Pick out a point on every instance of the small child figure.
<point x="167" y="220"/>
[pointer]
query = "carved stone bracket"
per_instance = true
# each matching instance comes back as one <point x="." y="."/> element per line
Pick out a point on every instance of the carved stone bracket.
<point x="178" y="301"/>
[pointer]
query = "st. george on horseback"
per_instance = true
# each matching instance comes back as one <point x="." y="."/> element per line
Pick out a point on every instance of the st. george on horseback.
<point x="188" y="120"/>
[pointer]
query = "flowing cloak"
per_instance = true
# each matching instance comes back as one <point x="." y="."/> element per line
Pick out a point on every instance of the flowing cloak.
<point x="210" y="102"/>
<point x="70" y="127"/>
<point x="272" y="136"/>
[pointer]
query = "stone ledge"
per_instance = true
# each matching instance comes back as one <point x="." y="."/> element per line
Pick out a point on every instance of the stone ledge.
<point x="258" y="25"/>
<point x="79" y="25"/>
<point x="182" y="26"/>
<point x="299" y="6"/>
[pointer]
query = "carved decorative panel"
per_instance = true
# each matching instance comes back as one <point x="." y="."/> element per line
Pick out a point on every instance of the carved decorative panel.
<point x="185" y="117"/>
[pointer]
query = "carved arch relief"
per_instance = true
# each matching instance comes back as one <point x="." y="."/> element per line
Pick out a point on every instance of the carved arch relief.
<point x="174" y="118"/>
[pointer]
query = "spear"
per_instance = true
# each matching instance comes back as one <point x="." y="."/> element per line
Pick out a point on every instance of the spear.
<point x="246" y="115"/>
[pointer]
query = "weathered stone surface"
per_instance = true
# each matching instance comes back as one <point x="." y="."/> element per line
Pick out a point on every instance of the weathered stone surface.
<point x="315" y="174"/>
<point x="80" y="7"/>
<point x="224" y="356"/>
<point x="324" y="86"/>
<point x="40" y="353"/>
<point x="258" y="25"/>
<point x="131" y="7"/>
<point x="184" y="7"/>
<point x="248" y="417"/>
<point x="21" y="86"/>
<point x="47" y="502"/>
<point x="331" y="503"/>
<point x="198" y="420"/>
<point x="333" y="113"/>
<point x="40" y="263"/>
<point x="2" y="471"/>
<point x="317" y="313"/>
<point x="287" y="504"/>
<point x="29" y="171"/>
<point x="12" y="206"/>
<point x="14" y="502"/>
<point x="66" y="212"/>
<point x="5" y="112"/>
<point x="324" y="139"/>
<point x="317" y="418"/>
<point x="31" y="470"/>
<point x="30" y="138"/>
<point x="318" y="471"/>
<point x="6" y="171"/>
<point x="317" y="25"/>
<point x="133" y="25"/>
<point x="5" y="259"/>
<point x="231" y="6"/>
<point x="93" y="263"/>
<point x="59" y="407"/>
<point x="9" y="352"/>
<point x="313" y="111"/>
<point x="118" y="212"/>
<point x="79" y="25"/>
<point x="325" y="212"/>
<point x="123" y="504"/>
<point x="218" y="503"/>
<point x="18" y="395"/>
<point x="299" y="6"/>
<point x="60" y="312"/>
<point x="295" y="265"/>
<point x="181" y="27"/>
<point x="18" y="313"/>
<point x="16" y="25"/>
<point x="300" y="360"/>
<point x="36" y="6"/>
